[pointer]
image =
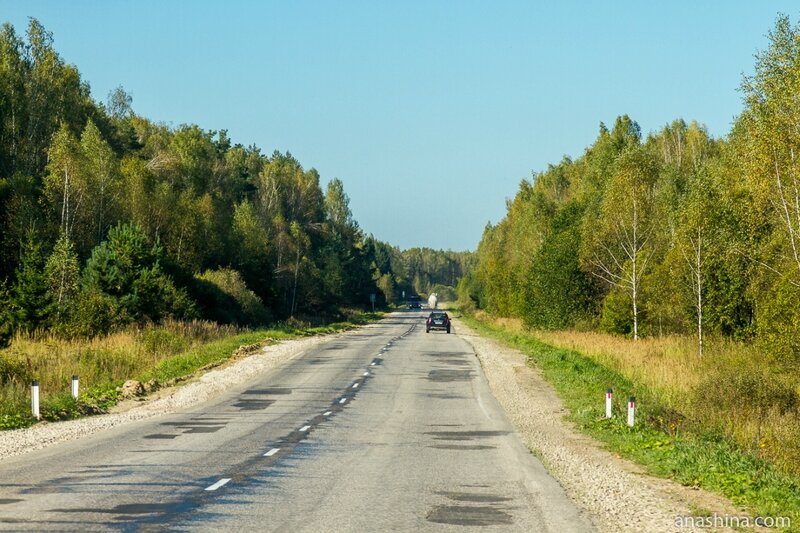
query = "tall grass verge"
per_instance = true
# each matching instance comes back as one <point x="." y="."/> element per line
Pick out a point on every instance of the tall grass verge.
<point x="167" y="353"/>
<point x="693" y="447"/>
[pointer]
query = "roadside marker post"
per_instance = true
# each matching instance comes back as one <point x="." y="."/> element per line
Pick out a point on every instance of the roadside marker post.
<point x="631" y="410"/>
<point x="609" y="394"/>
<point x="75" y="387"/>
<point x="35" y="400"/>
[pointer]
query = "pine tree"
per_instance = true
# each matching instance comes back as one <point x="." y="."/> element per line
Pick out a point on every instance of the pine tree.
<point x="32" y="301"/>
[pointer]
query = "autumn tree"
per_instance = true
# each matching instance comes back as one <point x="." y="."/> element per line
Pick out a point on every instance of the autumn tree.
<point x="619" y="249"/>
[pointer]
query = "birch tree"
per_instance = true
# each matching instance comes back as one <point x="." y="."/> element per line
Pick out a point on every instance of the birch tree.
<point x="103" y="181"/>
<point x="772" y="140"/>
<point x="619" y="241"/>
<point x="694" y="239"/>
<point x="64" y="185"/>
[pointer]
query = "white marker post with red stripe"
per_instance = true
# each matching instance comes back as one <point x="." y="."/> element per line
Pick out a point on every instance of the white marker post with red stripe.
<point x="609" y="394"/>
<point x="631" y="410"/>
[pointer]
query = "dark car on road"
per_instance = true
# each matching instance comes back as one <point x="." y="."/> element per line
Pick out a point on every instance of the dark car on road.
<point x="437" y="320"/>
<point x="415" y="302"/>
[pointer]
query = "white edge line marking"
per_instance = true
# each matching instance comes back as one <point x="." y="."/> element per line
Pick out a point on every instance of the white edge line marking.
<point x="327" y="413"/>
<point x="305" y="428"/>
<point x="343" y="400"/>
<point x="218" y="484"/>
<point x="272" y="452"/>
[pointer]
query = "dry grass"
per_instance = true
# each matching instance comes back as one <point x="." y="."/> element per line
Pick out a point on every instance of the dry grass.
<point x="734" y="389"/>
<point x="98" y="362"/>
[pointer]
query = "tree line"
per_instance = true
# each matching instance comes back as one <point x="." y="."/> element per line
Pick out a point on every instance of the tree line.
<point x="675" y="232"/>
<point x="108" y="218"/>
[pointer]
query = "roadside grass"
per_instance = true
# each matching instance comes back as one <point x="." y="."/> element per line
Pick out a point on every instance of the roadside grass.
<point x="663" y="440"/>
<point x="167" y="353"/>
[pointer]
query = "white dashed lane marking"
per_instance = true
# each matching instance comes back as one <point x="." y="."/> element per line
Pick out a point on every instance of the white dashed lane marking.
<point x="272" y="452"/>
<point x="218" y="484"/>
<point x="343" y="400"/>
<point x="327" y="413"/>
<point x="366" y="374"/>
<point x="355" y="385"/>
<point x="304" y="429"/>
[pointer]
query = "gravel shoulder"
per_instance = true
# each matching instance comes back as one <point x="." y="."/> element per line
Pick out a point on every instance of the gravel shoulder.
<point x="615" y="492"/>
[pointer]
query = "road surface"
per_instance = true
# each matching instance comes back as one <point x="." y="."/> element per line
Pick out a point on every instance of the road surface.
<point x="385" y="428"/>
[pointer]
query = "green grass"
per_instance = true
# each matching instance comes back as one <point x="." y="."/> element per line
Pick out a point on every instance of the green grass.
<point x="691" y="458"/>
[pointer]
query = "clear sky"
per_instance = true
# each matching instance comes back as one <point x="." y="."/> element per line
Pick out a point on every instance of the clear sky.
<point x="430" y="112"/>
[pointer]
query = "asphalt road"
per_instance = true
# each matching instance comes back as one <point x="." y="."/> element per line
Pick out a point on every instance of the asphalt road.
<point x="386" y="428"/>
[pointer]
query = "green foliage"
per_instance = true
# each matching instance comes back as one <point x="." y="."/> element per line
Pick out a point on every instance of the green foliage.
<point x="63" y="274"/>
<point x="558" y="294"/>
<point x="95" y="313"/>
<point x="126" y="269"/>
<point x="60" y="407"/>
<point x="229" y="300"/>
<point x="674" y="233"/>
<point x="779" y="321"/>
<point x="31" y="302"/>
<point x="12" y="370"/>
<point x="76" y="170"/>
<point x="162" y="341"/>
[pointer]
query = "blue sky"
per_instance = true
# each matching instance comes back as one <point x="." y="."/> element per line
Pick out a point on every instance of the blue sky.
<point x="431" y="112"/>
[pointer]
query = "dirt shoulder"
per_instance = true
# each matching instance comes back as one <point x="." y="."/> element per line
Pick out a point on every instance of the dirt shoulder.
<point x="614" y="491"/>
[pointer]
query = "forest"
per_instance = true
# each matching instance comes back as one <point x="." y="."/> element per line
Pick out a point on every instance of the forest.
<point x="675" y="232"/>
<point x="109" y="219"/>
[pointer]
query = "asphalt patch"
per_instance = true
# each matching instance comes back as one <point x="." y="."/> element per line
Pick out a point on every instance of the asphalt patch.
<point x="445" y="396"/>
<point x="444" y="376"/>
<point x="461" y="447"/>
<point x="275" y="391"/>
<point x="465" y="435"/>
<point x="203" y="429"/>
<point x="469" y="516"/>
<point x="253" y="405"/>
<point x="473" y="497"/>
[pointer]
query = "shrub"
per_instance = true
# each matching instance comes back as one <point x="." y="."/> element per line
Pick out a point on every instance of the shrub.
<point x="159" y="341"/>
<point x="617" y="315"/>
<point x="11" y="370"/>
<point x="231" y="300"/>
<point x="95" y="313"/>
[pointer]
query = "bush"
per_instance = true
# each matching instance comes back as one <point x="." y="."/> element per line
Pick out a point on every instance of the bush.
<point x="96" y="313"/>
<point x="11" y="370"/>
<point x="226" y="297"/>
<point x="779" y="321"/>
<point x="617" y="314"/>
<point x="159" y="341"/>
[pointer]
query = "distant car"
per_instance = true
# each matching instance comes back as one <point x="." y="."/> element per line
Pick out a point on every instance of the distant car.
<point x="414" y="303"/>
<point x="437" y="320"/>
